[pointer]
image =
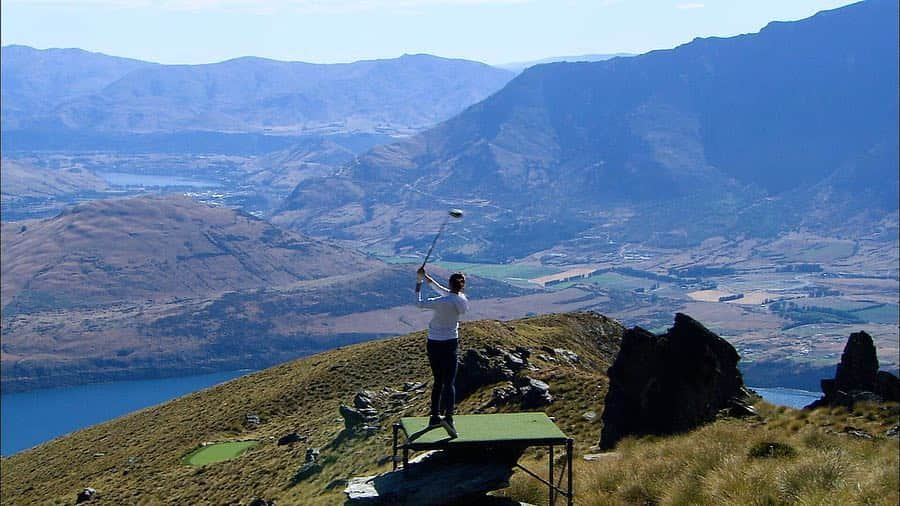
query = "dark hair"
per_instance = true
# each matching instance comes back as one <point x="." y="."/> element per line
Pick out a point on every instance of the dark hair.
<point x="457" y="280"/>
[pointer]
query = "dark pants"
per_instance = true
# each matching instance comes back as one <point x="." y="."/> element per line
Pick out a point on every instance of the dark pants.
<point x="442" y="357"/>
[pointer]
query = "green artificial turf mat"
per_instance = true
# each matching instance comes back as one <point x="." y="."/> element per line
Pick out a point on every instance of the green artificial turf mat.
<point x="218" y="452"/>
<point x="487" y="428"/>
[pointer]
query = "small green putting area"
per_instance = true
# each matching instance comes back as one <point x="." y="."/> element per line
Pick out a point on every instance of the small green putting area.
<point x="218" y="452"/>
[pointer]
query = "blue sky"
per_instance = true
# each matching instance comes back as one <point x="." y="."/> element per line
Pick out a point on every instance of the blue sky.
<point x="327" y="31"/>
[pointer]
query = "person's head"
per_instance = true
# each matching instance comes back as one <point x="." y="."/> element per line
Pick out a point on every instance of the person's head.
<point x="457" y="282"/>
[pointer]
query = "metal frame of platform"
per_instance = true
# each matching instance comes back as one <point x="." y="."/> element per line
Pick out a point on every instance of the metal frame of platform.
<point x="508" y="440"/>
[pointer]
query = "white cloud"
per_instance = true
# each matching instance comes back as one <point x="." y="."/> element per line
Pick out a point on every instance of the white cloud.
<point x="689" y="5"/>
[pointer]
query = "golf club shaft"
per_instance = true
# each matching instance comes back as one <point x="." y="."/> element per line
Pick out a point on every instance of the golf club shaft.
<point x="430" y="249"/>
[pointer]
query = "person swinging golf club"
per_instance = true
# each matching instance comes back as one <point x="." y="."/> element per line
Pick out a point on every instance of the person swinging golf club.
<point x="443" y="342"/>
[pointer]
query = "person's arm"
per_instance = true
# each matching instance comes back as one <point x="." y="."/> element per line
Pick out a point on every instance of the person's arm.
<point x="420" y="302"/>
<point x="437" y="287"/>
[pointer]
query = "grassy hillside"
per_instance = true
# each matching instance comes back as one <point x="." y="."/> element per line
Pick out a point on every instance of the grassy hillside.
<point x="138" y="459"/>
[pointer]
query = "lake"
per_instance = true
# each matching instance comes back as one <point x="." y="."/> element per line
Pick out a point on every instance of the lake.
<point x="791" y="397"/>
<point x="31" y="418"/>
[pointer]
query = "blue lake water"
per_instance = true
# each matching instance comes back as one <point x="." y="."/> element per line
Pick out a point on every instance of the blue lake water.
<point x="31" y="418"/>
<point x="145" y="180"/>
<point x="791" y="397"/>
<point x="28" y="419"/>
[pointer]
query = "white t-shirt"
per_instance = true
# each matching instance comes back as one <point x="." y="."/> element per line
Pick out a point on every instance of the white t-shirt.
<point x="448" y="307"/>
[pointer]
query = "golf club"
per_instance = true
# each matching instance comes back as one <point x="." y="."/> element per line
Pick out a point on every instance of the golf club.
<point x="454" y="213"/>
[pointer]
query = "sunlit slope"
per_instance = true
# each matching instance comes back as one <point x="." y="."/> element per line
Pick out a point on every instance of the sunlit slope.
<point x="138" y="459"/>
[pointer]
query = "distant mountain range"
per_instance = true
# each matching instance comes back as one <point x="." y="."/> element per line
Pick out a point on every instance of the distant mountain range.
<point x="72" y="89"/>
<point x="749" y="135"/>
<point x="522" y="65"/>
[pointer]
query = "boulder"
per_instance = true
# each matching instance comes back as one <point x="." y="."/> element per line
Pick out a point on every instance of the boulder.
<point x="85" y="495"/>
<point x="534" y="393"/>
<point x="363" y="399"/>
<point x="353" y="419"/>
<point x="291" y="438"/>
<point x="857" y="378"/>
<point x="438" y="477"/>
<point x="670" y="383"/>
<point x="258" y="501"/>
<point x="358" y="420"/>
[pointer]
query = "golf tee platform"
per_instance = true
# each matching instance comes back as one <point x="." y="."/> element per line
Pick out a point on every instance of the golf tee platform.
<point x="500" y="430"/>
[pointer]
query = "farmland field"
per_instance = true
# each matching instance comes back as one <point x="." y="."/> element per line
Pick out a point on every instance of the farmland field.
<point x="502" y="272"/>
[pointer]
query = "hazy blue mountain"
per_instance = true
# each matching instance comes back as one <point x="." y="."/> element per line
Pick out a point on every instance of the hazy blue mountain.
<point x="522" y="65"/>
<point x="34" y="81"/>
<point x="248" y="95"/>
<point x="753" y="134"/>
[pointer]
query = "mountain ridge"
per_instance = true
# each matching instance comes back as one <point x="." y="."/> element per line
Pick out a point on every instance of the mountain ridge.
<point x="689" y="139"/>
<point x="245" y="94"/>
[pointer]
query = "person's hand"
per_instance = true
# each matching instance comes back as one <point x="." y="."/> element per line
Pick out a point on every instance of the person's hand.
<point x="420" y="274"/>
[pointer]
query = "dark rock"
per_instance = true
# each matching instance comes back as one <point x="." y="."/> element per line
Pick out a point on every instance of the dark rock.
<point x="503" y="395"/>
<point x="857" y="378"/>
<point x="534" y="393"/>
<point x="887" y="386"/>
<point x="352" y="418"/>
<point x="856" y="432"/>
<point x="291" y="438"/>
<point x="410" y="386"/>
<point x="523" y="352"/>
<point x="457" y="475"/>
<point x="306" y="471"/>
<point x="85" y="495"/>
<point x="478" y="368"/>
<point x="741" y="406"/>
<point x="312" y="455"/>
<point x="859" y="364"/>
<point x="363" y="399"/>
<point x="893" y="432"/>
<point x="256" y="501"/>
<point x="670" y="383"/>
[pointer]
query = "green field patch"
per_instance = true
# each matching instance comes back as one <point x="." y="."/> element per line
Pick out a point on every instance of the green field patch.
<point x="825" y="251"/>
<point x="883" y="313"/>
<point x="615" y="281"/>
<point x="218" y="452"/>
<point x="500" y="272"/>
<point x="841" y="303"/>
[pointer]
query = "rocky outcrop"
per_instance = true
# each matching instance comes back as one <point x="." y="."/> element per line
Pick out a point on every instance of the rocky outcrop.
<point x="437" y="478"/>
<point x="478" y="368"/>
<point x="857" y="377"/>
<point x="371" y="407"/>
<point x="670" y="383"/>
<point x="528" y="393"/>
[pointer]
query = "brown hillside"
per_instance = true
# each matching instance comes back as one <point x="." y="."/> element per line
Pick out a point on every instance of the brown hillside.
<point x="154" y="248"/>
